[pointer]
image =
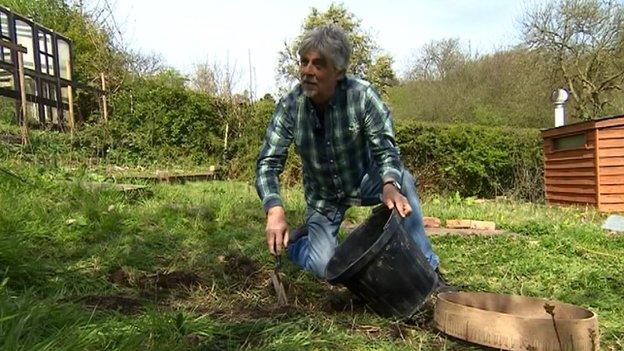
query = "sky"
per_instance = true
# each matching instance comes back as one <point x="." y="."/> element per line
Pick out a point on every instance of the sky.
<point x="230" y="33"/>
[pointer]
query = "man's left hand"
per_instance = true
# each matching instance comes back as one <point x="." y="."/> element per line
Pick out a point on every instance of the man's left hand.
<point x="394" y="199"/>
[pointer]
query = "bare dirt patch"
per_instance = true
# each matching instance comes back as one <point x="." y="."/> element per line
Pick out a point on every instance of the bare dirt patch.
<point x="170" y="280"/>
<point x="238" y="265"/>
<point x="240" y="271"/>
<point x="11" y="138"/>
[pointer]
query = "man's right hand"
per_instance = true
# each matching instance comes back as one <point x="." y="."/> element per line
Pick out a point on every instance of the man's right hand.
<point x="276" y="230"/>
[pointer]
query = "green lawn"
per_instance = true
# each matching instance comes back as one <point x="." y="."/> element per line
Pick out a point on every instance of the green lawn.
<point x="183" y="267"/>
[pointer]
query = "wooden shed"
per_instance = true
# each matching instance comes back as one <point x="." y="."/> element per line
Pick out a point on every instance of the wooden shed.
<point x="584" y="163"/>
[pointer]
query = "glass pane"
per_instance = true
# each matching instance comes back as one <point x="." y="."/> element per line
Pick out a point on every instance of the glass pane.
<point x="64" y="57"/>
<point x="65" y="95"/>
<point x="49" y="45"/>
<point x="31" y="85"/>
<point x="50" y="65"/>
<point x="47" y="114"/>
<point x="32" y="112"/>
<point x="52" y="93"/>
<point x="44" y="63"/>
<point x="52" y="113"/>
<point x="25" y="39"/>
<point x="5" y="54"/>
<point x="6" y="79"/>
<point x="42" y="44"/>
<point x="570" y="142"/>
<point x="4" y="22"/>
<point x="45" y="90"/>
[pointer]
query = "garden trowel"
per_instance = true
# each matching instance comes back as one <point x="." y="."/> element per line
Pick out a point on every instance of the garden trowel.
<point x="276" y="279"/>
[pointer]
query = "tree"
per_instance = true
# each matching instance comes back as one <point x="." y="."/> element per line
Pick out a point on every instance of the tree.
<point x="367" y="61"/>
<point x="581" y="40"/>
<point x="216" y="79"/>
<point x="437" y="59"/>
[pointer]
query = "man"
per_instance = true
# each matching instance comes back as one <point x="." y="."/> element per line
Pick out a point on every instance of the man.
<point x="344" y="135"/>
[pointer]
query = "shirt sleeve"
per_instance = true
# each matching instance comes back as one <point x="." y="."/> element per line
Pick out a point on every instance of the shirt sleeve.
<point x="273" y="156"/>
<point x="379" y="131"/>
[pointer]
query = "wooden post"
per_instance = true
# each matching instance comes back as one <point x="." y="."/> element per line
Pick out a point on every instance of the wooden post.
<point x="104" y="107"/>
<point x="70" y="101"/>
<point x="24" y="113"/>
<point x="72" y="121"/>
<point x="225" y="136"/>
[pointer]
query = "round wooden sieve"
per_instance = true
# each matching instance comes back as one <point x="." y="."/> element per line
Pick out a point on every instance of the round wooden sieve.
<point x="513" y="322"/>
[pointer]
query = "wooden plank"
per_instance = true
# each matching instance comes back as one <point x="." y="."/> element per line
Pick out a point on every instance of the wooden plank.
<point x="22" y="85"/>
<point x="548" y="149"/>
<point x="568" y="155"/>
<point x="597" y="165"/>
<point x="611" y="133"/>
<point x="571" y="165"/>
<point x="612" y="199"/>
<point x="612" y="152"/>
<point x="70" y="101"/>
<point x="611" y="161"/>
<point x="614" y="170"/>
<point x="612" y="189"/>
<point x="104" y="102"/>
<point x="611" y="179"/>
<point x="571" y="190"/>
<point x="13" y="46"/>
<point x="175" y="178"/>
<point x="568" y="130"/>
<point x="567" y="181"/>
<point x="574" y="198"/>
<point x="70" y="98"/>
<point x="449" y="231"/>
<point x="612" y="143"/>
<point x="611" y="122"/>
<point x="615" y="207"/>
<point x="584" y="172"/>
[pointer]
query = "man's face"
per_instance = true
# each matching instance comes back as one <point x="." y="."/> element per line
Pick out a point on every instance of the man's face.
<point x="318" y="77"/>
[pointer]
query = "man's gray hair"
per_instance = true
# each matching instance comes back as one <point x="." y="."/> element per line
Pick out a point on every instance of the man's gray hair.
<point x="332" y="43"/>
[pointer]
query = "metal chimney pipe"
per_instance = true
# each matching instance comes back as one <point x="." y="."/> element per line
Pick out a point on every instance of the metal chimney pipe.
<point x="559" y="98"/>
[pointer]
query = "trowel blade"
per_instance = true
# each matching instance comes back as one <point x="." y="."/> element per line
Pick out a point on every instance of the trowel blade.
<point x="280" y="292"/>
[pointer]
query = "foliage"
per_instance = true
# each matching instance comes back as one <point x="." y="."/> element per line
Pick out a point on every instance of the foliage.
<point x="474" y="160"/>
<point x="366" y="60"/>
<point x="158" y="117"/>
<point x="506" y="88"/>
<point x="581" y="40"/>
<point x="63" y="245"/>
<point x="216" y="79"/>
<point x="437" y="59"/>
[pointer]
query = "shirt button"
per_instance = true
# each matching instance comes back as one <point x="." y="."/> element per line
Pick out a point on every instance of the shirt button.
<point x="328" y="143"/>
<point x="331" y="161"/>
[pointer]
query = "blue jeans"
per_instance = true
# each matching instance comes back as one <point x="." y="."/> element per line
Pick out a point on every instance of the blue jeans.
<point x="314" y="250"/>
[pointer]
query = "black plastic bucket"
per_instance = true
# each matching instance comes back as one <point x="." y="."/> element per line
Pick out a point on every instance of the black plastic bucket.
<point x="381" y="263"/>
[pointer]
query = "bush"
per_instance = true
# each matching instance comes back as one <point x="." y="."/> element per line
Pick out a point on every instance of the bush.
<point x="474" y="160"/>
<point x="158" y="118"/>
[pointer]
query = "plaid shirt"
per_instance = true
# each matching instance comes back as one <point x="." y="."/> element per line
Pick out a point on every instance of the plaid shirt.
<point x="336" y="152"/>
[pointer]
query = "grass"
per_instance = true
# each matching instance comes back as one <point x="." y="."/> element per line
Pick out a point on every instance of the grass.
<point x="184" y="267"/>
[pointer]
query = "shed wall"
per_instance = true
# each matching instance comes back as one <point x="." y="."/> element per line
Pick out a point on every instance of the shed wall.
<point x="610" y="168"/>
<point x="570" y="175"/>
